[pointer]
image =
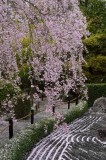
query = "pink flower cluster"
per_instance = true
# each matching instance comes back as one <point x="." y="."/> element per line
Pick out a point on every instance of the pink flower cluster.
<point x="55" y="29"/>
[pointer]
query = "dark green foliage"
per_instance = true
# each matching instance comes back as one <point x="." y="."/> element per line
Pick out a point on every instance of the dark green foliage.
<point x="24" y="75"/>
<point x="95" y="91"/>
<point x="76" y="113"/>
<point x="22" y="108"/>
<point x="72" y="115"/>
<point x="96" y="44"/>
<point x="95" y="69"/>
<point x="100" y="62"/>
<point x="23" y="65"/>
<point x="95" y="12"/>
<point x="6" y="87"/>
<point x="23" y="57"/>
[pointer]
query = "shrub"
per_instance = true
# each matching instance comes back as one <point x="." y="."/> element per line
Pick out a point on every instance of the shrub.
<point x="95" y="91"/>
<point x="95" y="78"/>
<point x="95" y="13"/>
<point x="100" y="62"/>
<point x="24" y="141"/>
<point x="77" y="112"/>
<point x="95" y="70"/>
<point x="7" y="87"/>
<point x="96" y="43"/>
<point x="22" y="106"/>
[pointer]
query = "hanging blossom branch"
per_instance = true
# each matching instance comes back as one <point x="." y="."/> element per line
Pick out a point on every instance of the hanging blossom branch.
<point x="56" y="29"/>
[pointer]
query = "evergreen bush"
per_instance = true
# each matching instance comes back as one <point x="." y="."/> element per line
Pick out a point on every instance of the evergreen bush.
<point x="96" y="44"/>
<point x="77" y="112"/>
<point x="95" y="91"/>
<point x="95" y="69"/>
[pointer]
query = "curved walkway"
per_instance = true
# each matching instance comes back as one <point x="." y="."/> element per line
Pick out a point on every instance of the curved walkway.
<point x="78" y="142"/>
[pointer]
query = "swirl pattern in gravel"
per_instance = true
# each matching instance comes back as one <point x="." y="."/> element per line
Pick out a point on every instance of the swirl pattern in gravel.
<point x="76" y="143"/>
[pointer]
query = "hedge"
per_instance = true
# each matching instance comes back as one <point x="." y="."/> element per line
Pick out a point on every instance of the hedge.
<point x="25" y="140"/>
<point x="77" y="112"/>
<point x="95" y="91"/>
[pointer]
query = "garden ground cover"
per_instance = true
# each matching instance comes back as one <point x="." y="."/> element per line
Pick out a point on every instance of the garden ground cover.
<point x="21" y="125"/>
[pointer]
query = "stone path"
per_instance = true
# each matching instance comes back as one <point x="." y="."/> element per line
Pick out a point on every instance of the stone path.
<point x="79" y="142"/>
